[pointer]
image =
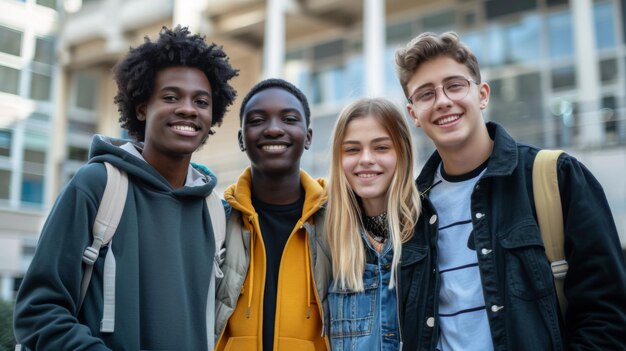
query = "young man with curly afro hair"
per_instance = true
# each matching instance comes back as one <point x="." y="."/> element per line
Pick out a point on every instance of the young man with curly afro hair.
<point x="171" y="92"/>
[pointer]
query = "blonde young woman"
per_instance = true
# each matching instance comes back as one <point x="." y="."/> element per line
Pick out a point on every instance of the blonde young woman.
<point x="372" y="209"/>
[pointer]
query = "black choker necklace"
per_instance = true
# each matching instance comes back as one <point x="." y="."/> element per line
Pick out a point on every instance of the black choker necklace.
<point x="377" y="227"/>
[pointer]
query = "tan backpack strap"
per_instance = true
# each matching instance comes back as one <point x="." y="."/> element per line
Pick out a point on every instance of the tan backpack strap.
<point x="550" y="217"/>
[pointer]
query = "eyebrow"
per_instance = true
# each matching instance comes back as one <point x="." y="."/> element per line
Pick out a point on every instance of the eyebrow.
<point x="376" y="140"/>
<point x="178" y="90"/>
<point x="283" y="111"/>
<point x="447" y="79"/>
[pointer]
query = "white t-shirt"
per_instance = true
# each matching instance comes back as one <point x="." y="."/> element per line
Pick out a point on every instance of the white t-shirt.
<point x="462" y="313"/>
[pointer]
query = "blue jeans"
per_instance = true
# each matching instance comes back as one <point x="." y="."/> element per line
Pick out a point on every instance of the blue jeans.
<point x="366" y="320"/>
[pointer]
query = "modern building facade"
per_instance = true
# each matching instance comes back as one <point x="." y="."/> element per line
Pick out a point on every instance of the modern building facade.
<point x="28" y="73"/>
<point x="557" y="69"/>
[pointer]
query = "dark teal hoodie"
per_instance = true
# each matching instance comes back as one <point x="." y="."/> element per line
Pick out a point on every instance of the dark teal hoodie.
<point x="164" y="248"/>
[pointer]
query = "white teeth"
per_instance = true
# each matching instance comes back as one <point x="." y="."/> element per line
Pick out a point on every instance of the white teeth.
<point x="367" y="175"/>
<point x="447" y="119"/>
<point x="184" y="128"/>
<point x="274" y="147"/>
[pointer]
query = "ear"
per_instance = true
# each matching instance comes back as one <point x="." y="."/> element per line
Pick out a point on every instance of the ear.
<point x="140" y="111"/>
<point x="240" y="140"/>
<point x="309" y="139"/>
<point x="484" y="94"/>
<point x="413" y="114"/>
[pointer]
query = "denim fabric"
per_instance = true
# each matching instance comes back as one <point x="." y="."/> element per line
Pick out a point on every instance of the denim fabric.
<point x="367" y="320"/>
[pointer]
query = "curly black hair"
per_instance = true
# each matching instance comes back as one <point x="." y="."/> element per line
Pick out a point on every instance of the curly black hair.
<point x="280" y="84"/>
<point x="136" y="73"/>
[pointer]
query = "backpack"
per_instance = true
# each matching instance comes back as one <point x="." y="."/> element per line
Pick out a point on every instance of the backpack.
<point x="550" y="217"/>
<point x="108" y="217"/>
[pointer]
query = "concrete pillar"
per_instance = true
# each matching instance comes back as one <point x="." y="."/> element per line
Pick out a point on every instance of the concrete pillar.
<point x="57" y="152"/>
<point x="374" y="46"/>
<point x="274" y="40"/>
<point x="587" y="71"/>
<point x="188" y="13"/>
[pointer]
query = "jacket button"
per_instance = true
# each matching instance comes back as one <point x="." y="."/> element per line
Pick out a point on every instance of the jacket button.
<point x="485" y="252"/>
<point x="477" y="186"/>
<point x="433" y="219"/>
<point x="479" y="215"/>
<point x="495" y="308"/>
<point x="430" y="322"/>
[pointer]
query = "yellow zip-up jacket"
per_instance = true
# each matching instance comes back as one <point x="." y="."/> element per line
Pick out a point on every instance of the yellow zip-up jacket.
<point x="304" y="275"/>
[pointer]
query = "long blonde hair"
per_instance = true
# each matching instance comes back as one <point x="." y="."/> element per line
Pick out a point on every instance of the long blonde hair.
<point x="343" y="216"/>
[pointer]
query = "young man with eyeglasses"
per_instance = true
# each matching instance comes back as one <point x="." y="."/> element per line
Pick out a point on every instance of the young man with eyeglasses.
<point x="478" y="277"/>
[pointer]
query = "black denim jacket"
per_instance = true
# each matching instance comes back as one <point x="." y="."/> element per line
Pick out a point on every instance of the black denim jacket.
<point x="517" y="281"/>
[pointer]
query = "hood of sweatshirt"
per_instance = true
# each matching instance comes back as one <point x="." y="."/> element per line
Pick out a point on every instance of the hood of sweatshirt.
<point x="126" y="156"/>
<point x="239" y="195"/>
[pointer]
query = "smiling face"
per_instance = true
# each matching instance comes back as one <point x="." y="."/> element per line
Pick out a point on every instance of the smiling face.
<point x="450" y="124"/>
<point x="274" y="132"/>
<point x="178" y="114"/>
<point x="368" y="160"/>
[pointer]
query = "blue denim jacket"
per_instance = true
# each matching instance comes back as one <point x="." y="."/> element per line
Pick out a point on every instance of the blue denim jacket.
<point x="367" y="320"/>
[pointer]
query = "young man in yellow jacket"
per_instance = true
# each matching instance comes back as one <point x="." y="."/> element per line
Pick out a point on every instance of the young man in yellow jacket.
<point x="276" y="270"/>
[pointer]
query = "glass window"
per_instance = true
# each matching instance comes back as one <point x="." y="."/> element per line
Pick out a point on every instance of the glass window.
<point x="35" y="156"/>
<point x="328" y="50"/>
<point x="496" y="8"/>
<point x="556" y="2"/>
<point x="398" y="33"/>
<point x="517" y="103"/>
<point x="44" y="51"/>
<point x="77" y="153"/>
<point x="474" y="40"/>
<point x="5" y="142"/>
<point x="9" y="80"/>
<point x="86" y="91"/>
<point x="440" y="22"/>
<point x="608" y="70"/>
<point x="523" y="40"/>
<point x="5" y="184"/>
<point x="10" y="41"/>
<point x="516" y="42"/>
<point x="496" y="45"/>
<point x="40" y="86"/>
<point x="38" y="116"/>
<point x="563" y="78"/>
<point x="560" y="34"/>
<point x="32" y="188"/>
<point x="48" y="3"/>
<point x="356" y="77"/>
<point x="295" y="55"/>
<point x="604" y="25"/>
<point x="82" y="127"/>
<point x="392" y="89"/>
<point x="329" y="85"/>
<point x="470" y="18"/>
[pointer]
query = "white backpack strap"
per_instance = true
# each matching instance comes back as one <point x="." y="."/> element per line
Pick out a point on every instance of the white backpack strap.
<point x="107" y="324"/>
<point x="218" y="219"/>
<point x="107" y="219"/>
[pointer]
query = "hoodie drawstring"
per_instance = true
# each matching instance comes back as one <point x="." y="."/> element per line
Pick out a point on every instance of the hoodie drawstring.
<point x="251" y="283"/>
<point x="308" y="274"/>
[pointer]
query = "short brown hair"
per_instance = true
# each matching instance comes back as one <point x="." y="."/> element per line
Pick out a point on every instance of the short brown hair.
<point x="428" y="46"/>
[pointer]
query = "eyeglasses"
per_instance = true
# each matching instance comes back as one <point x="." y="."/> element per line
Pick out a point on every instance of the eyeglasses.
<point x="455" y="89"/>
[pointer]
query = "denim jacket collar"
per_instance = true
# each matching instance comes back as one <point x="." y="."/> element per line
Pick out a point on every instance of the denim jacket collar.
<point x="502" y="161"/>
